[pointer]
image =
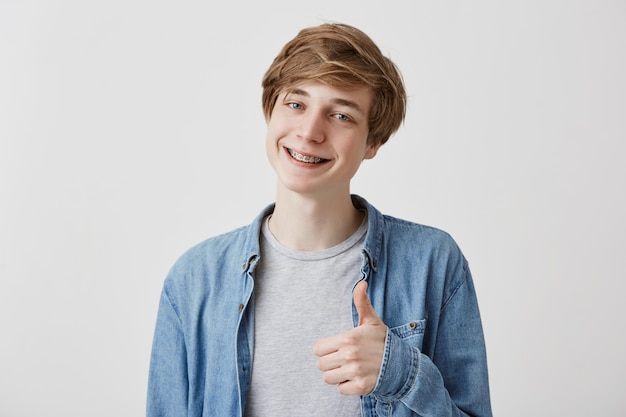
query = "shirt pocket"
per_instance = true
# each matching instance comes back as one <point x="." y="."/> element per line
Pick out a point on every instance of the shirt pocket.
<point x="411" y="332"/>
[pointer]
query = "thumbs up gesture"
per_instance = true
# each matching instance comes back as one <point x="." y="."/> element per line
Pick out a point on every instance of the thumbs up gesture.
<point x="352" y="360"/>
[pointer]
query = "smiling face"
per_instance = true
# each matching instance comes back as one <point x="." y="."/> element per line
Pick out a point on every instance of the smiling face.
<point x="317" y="137"/>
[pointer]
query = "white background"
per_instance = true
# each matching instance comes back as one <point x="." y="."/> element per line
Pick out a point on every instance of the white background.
<point x="131" y="130"/>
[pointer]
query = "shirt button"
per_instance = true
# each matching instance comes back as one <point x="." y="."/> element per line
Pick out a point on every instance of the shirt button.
<point x="412" y="325"/>
<point x="240" y="308"/>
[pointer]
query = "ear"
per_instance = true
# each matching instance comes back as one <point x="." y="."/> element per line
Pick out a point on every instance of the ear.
<point x="371" y="150"/>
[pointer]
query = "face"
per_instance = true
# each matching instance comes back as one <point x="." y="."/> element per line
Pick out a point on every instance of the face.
<point x="317" y="138"/>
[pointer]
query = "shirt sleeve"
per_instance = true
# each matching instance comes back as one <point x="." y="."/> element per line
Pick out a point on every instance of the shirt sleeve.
<point x="168" y="385"/>
<point x="454" y="381"/>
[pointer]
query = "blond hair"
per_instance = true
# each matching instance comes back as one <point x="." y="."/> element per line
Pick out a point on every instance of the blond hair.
<point x="341" y="56"/>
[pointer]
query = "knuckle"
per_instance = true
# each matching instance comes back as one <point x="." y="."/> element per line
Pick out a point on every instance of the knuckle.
<point x="351" y="355"/>
<point x="362" y="385"/>
<point x="327" y="378"/>
<point x="349" y="339"/>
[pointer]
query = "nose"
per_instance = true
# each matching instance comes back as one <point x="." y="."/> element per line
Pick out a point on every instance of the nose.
<point x="311" y="127"/>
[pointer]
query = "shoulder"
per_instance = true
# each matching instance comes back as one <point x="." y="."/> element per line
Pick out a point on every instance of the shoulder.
<point x="209" y="270"/>
<point x="212" y="264"/>
<point x="218" y="244"/>
<point x="400" y="231"/>
<point x="401" y="239"/>
<point x="223" y="252"/>
<point x="213" y="251"/>
<point x="427" y="254"/>
<point x="426" y="248"/>
<point x="414" y="228"/>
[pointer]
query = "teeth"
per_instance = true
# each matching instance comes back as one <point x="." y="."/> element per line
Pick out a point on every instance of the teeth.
<point x="304" y="158"/>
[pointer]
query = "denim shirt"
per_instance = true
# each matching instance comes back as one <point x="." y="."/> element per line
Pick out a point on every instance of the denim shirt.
<point x="419" y="283"/>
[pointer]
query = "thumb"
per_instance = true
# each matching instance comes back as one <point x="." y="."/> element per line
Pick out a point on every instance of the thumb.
<point x="367" y="314"/>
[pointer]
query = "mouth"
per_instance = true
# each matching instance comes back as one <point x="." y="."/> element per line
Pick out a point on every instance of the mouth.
<point x="305" y="158"/>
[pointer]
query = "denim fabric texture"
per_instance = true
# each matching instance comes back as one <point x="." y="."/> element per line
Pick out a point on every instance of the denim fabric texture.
<point x="419" y="283"/>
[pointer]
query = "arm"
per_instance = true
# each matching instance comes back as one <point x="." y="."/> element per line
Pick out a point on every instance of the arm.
<point x="452" y="380"/>
<point x="168" y="381"/>
<point x="372" y="360"/>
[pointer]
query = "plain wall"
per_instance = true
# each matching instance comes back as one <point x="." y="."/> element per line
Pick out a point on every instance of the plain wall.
<point x="131" y="130"/>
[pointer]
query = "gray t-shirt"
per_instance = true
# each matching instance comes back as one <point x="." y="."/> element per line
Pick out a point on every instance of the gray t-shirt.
<point x="300" y="297"/>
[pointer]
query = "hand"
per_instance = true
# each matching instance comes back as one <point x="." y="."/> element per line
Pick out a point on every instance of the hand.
<point x="352" y="360"/>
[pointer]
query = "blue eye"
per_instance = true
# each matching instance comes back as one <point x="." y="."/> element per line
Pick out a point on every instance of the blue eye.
<point x="295" y="106"/>
<point x="342" y="117"/>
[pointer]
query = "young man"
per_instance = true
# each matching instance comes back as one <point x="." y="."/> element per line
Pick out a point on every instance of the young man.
<point x="322" y="306"/>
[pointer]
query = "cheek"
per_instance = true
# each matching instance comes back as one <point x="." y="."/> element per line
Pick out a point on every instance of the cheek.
<point x="357" y="150"/>
<point x="273" y="147"/>
<point x="276" y="126"/>
<point x="271" y="133"/>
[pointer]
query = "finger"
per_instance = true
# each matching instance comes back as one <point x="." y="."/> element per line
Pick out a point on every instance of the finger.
<point x="354" y="387"/>
<point x="367" y="314"/>
<point x="328" y="362"/>
<point x="334" y="376"/>
<point x="326" y="345"/>
<point x="347" y="384"/>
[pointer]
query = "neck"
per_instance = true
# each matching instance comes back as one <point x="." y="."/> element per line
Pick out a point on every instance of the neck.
<point x="313" y="223"/>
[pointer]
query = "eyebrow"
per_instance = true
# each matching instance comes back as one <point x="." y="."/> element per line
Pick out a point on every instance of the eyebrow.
<point x="337" y="100"/>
